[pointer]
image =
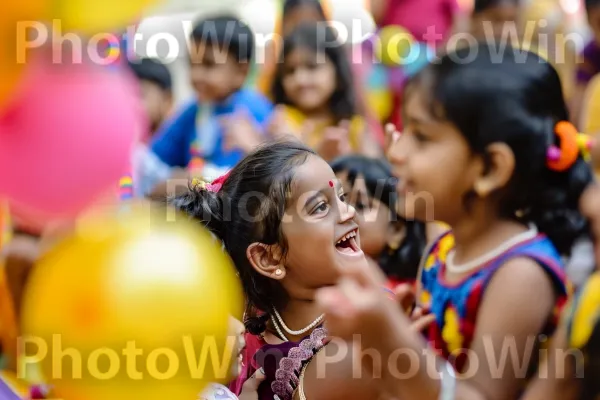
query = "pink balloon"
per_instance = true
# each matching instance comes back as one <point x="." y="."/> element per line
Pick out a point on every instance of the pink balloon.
<point x="67" y="139"/>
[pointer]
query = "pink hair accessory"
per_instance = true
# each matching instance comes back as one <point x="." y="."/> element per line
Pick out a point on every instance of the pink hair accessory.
<point x="553" y="153"/>
<point x="213" y="187"/>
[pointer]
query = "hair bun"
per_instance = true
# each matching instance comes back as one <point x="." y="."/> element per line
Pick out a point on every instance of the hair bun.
<point x="257" y="325"/>
<point x="203" y="205"/>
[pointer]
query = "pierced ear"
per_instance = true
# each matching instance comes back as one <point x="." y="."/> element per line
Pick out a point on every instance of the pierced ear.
<point x="500" y="169"/>
<point x="266" y="260"/>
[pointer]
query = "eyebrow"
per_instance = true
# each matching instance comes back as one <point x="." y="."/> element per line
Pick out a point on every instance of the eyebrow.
<point x="314" y="197"/>
<point x="322" y="191"/>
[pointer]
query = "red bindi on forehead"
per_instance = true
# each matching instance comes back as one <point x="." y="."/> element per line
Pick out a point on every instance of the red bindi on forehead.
<point x="331" y="183"/>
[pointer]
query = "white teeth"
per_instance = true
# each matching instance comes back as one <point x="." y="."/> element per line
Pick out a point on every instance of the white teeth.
<point x="347" y="236"/>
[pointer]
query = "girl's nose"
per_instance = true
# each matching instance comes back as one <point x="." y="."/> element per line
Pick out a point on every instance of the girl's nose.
<point x="398" y="151"/>
<point x="347" y="212"/>
<point x="302" y="76"/>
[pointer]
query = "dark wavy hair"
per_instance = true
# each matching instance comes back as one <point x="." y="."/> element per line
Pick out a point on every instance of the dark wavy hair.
<point x="483" y="5"/>
<point x="591" y="4"/>
<point x="318" y="39"/>
<point x="517" y="100"/>
<point x="402" y="263"/>
<point x="249" y="208"/>
<point x="291" y="5"/>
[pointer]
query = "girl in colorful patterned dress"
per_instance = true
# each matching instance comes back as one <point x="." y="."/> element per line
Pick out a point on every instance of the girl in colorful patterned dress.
<point x="283" y="218"/>
<point x="487" y="144"/>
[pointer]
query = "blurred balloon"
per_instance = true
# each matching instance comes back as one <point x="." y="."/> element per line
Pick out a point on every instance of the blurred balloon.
<point x="144" y="300"/>
<point x="11" y="68"/>
<point x="395" y="44"/>
<point x="66" y="139"/>
<point x="97" y="16"/>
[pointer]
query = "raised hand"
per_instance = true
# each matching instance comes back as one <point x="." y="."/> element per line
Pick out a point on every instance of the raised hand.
<point x="335" y="141"/>
<point x="240" y="132"/>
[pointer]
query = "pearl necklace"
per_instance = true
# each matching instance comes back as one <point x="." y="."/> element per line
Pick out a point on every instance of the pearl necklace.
<point x="490" y="255"/>
<point x="298" y="332"/>
<point x="279" y="332"/>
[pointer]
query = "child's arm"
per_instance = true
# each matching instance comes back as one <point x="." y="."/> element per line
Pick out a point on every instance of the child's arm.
<point x="510" y="310"/>
<point x="552" y="387"/>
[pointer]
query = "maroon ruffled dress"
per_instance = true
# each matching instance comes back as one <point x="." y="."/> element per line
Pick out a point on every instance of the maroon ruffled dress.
<point x="282" y="364"/>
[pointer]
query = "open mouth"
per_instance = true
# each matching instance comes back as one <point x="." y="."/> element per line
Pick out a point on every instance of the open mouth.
<point x="347" y="243"/>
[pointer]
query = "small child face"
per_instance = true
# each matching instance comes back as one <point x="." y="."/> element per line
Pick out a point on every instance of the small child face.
<point x="309" y="80"/>
<point x="493" y="21"/>
<point x="298" y="16"/>
<point x="215" y="73"/>
<point x="236" y="329"/>
<point x="373" y="216"/>
<point x="157" y="103"/>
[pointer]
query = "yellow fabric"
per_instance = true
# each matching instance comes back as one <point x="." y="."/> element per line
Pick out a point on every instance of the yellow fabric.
<point x="590" y="115"/>
<point x="586" y="314"/>
<point x="296" y="118"/>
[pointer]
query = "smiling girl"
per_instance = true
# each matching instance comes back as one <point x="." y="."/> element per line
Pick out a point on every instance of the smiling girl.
<point x="283" y="218"/>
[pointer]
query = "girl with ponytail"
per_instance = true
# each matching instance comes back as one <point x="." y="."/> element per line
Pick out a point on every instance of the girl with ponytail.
<point x="283" y="218"/>
<point x="486" y="148"/>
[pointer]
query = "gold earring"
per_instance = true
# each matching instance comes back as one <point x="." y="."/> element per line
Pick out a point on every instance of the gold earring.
<point x="481" y="189"/>
<point x="392" y="247"/>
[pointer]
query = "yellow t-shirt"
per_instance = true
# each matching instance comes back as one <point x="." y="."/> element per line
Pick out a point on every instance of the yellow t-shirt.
<point x="297" y="119"/>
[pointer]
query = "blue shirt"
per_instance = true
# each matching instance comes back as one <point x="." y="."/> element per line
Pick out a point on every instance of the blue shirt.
<point x="173" y="142"/>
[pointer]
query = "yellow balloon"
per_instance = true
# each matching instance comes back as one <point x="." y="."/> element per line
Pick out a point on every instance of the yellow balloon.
<point x="98" y="16"/>
<point x="395" y="44"/>
<point x="132" y="306"/>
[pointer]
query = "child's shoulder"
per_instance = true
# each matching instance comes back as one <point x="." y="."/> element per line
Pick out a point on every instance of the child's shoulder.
<point x="256" y="103"/>
<point x="253" y="98"/>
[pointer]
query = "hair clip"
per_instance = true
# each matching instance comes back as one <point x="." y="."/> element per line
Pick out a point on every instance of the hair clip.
<point x="198" y="184"/>
<point x="572" y="144"/>
<point x="214" y="187"/>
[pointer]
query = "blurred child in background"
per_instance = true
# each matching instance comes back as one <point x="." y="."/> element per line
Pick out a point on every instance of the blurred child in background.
<point x="156" y="90"/>
<point x="490" y="18"/>
<point x="315" y="94"/>
<point x="391" y="242"/>
<point x="212" y="133"/>
<point x="591" y="59"/>
<point x="293" y="14"/>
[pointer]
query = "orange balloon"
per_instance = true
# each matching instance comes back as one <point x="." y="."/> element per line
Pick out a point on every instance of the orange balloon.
<point x="13" y="20"/>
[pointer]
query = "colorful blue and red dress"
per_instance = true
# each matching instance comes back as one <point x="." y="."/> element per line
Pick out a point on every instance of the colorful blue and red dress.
<point x="456" y="305"/>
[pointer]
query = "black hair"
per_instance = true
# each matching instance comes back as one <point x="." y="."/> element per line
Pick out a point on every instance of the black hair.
<point x="516" y="100"/>
<point x="249" y="208"/>
<point x="291" y="5"/>
<point x="591" y="4"/>
<point x="226" y="32"/>
<point x="153" y="71"/>
<point x="483" y="5"/>
<point x="318" y="38"/>
<point x="402" y="263"/>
